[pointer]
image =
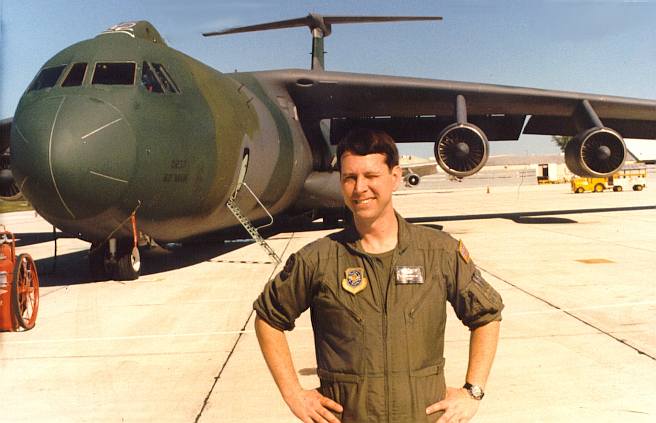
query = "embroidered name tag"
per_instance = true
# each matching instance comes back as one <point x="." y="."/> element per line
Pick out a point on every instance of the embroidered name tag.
<point x="406" y="275"/>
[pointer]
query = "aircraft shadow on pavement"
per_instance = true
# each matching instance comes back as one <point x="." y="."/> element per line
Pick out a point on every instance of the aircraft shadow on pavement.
<point x="32" y="238"/>
<point x="73" y="268"/>
<point x="530" y="217"/>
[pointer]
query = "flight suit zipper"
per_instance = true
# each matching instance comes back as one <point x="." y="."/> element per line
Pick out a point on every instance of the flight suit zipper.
<point x="383" y="304"/>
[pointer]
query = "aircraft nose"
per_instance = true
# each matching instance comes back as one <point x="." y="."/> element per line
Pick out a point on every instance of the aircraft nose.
<point x="73" y="156"/>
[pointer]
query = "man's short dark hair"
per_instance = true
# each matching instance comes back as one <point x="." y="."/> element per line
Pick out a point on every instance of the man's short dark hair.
<point x="362" y="141"/>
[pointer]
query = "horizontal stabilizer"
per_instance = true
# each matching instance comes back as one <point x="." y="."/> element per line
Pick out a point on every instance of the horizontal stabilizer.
<point x="324" y="23"/>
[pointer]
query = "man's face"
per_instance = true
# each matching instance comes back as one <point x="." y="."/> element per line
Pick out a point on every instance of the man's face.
<point x="367" y="185"/>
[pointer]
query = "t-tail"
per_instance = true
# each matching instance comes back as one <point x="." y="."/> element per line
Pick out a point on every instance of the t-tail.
<point x="320" y="27"/>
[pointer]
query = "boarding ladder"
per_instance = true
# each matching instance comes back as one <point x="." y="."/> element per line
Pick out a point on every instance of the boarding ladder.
<point x="246" y="223"/>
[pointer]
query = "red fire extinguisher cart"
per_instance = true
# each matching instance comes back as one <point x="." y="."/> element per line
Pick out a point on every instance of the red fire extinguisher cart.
<point x="19" y="286"/>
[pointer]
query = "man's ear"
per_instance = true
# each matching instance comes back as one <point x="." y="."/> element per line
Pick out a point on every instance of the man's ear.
<point x="397" y="172"/>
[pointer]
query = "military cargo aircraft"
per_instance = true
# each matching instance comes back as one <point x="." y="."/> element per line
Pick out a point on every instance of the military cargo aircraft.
<point x="121" y="138"/>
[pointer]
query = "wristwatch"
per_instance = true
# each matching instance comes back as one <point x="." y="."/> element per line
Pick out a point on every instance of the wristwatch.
<point x="475" y="391"/>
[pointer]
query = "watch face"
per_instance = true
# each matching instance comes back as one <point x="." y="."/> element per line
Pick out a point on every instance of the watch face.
<point x="476" y="392"/>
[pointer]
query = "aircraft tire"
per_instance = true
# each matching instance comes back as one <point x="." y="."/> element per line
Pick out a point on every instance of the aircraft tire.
<point x="128" y="264"/>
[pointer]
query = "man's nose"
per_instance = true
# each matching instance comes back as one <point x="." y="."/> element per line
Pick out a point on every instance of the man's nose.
<point x="361" y="184"/>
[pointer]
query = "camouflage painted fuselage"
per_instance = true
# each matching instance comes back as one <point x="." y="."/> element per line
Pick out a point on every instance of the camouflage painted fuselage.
<point x="87" y="156"/>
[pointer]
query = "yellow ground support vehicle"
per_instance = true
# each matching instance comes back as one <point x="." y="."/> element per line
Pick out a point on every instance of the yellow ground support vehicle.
<point x="634" y="178"/>
<point x="589" y="184"/>
<point x="628" y="178"/>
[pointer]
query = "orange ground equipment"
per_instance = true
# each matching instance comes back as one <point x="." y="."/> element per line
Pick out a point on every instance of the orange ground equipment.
<point x="19" y="286"/>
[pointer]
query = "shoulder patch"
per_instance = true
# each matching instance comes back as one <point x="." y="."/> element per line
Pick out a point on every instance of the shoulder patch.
<point x="462" y="250"/>
<point x="289" y="266"/>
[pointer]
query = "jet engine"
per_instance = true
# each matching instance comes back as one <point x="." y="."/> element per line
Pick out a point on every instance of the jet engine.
<point x="461" y="149"/>
<point x="596" y="152"/>
<point x="411" y="180"/>
<point x="8" y="189"/>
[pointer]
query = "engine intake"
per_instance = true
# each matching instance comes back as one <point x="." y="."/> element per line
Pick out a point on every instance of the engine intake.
<point x="412" y="180"/>
<point x="461" y="149"/>
<point x="8" y="189"/>
<point x="595" y="152"/>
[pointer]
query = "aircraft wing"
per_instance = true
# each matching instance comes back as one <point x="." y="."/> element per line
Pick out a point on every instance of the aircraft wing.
<point x="414" y="109"/>
<point x="421" y="169"/>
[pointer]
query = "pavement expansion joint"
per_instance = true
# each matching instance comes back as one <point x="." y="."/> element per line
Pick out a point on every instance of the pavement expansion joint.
<point x="580" y="319"/>
<point x="234" y="346"/>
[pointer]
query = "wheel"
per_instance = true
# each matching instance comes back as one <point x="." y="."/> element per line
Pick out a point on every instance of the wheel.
<point x="579" y="190"/>
<point x="128" y="262"/>
<point x="599" y="188"/>
<point x="25" y="298"/>
<point x="617" y="189"/>
<point x="637" y="187"/>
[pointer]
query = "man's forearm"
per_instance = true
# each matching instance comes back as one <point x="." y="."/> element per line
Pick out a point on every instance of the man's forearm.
<point x="482" y="348"/>
<point x="277" y="355"/>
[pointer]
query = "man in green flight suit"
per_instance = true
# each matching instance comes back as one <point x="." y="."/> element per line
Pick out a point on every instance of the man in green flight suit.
<point x="377" y="294"/>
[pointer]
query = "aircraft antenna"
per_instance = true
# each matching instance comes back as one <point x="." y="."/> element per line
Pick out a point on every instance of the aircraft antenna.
<point x="320" y="27"/>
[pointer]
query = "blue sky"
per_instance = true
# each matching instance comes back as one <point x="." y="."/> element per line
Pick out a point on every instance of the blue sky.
<point x="602" y="47"/>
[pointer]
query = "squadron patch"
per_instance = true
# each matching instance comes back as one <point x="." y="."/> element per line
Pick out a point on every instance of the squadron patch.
<point x="355" y="280"/>
<point x="289" y="266"/>
<point x="462" y="250"/>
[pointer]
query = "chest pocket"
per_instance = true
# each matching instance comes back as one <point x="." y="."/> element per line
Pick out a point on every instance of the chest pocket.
<point x="339" y="332"/>
<point x="425" y="319"/>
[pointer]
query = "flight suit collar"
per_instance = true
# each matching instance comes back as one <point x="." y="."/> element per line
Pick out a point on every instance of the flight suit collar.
<point x="351" y="237"/>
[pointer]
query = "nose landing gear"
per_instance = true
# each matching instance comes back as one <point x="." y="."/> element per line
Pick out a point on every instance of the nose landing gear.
<point x="117" y="259"/>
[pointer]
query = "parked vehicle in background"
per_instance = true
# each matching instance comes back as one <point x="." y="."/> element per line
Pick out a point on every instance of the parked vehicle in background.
<point x="551" y="173"/>
<point x="580" y="184"/>
<point x="634" y="178"/>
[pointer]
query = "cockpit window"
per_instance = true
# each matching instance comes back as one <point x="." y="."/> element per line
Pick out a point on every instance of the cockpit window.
<point x="166" y="79"/>
<point x="156" y="79"/>
<point x="114" y="73"/>
<point x="149" y="80"/>
<point x="75" y="75"/>
<point x="47" y="78"/>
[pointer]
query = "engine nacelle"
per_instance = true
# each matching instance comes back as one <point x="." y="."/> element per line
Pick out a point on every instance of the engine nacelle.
<point x="411" y="180"/>
<point x="8" y="189"/>
<point x="461" y="149"/>
<point x="595" y="152"/>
